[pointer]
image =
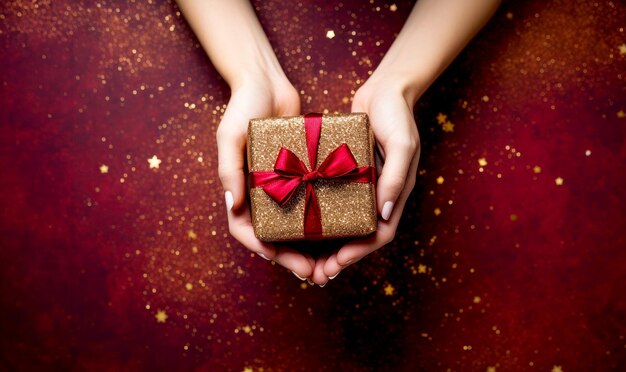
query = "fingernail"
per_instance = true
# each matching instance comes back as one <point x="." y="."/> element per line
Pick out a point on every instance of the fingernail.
<point x="262" y="255"/>
<point x="349" y="262"/>
<point x="322" y="285"/>
<point x="298" y="276"/>
<point x="229" y="200"/>
<point x="309" y="281"/>
<point x="387" y="208"/>
<point x="334" y="276"/>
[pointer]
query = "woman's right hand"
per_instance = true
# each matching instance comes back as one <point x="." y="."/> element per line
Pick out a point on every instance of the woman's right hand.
<point x="255" y="97"/>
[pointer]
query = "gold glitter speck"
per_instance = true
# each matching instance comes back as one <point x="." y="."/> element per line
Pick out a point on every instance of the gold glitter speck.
<point x="154" y="162"/>
<point x="389" y="290"/>
<point x="161" y="316"/>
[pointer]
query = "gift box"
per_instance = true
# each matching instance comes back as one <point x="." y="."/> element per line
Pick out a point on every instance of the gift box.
<point x="312" y="177"/>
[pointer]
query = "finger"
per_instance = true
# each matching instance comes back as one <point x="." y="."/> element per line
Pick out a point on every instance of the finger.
<point x="332" y="267"/>
<point x="241" y="229"/>
<point x="288" y="258"/>
<point x="385" y="233"/>
<point x="355" y="250"/>
<point x="318" y="276"/>
<point x="288" y="101"/>
<point x="399" y="152"/>
<point x="231" y="148"/>
<point x="291" y="259"/>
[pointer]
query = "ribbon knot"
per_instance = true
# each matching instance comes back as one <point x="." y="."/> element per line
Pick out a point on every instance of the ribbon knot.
<point x="311" y="176"/>
<point x="289" y="172"/>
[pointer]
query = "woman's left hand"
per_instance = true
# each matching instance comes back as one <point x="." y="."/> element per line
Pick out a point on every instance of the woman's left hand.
<point x="390" y="111"/>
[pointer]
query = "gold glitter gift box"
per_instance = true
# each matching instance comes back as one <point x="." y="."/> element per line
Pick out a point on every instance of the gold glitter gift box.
<point x="312" y="177"/>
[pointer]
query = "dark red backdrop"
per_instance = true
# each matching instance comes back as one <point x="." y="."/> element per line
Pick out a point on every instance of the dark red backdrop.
<point x="495" y="265"/>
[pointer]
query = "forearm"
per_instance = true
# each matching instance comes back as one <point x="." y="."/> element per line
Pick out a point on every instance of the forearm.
<point x="433" y="35"/>
<point x="232" y="36"/>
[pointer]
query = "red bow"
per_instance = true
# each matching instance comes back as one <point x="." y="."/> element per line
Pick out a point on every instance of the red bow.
<point x="289" y="172"/>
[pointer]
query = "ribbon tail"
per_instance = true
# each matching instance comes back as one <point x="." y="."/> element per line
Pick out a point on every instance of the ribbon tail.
<point x="312" y="214"/>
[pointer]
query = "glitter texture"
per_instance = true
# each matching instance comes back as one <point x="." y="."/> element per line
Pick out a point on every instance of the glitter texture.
<point x="348" y="209"/>
<point x="95" y="272"/>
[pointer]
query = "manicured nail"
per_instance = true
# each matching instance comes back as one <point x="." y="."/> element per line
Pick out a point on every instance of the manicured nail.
<point x="298" y="276"/>
<point x="229" y="200"/>
<point x="334" y="276"/>
<point x="309" y="281"/>
<point x="322" y="285"/>
<point x="387" y="208"/>
<point x="262" y="255"/>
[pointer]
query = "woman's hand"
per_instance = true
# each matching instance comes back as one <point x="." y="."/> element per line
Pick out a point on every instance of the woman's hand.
<point x="256" y="97"/>
<point x="390" y="113"/>
<point x="423" y="49"/>
<point x="233" y="38"/>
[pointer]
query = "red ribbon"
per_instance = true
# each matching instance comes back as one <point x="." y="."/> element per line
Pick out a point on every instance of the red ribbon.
<point x="289" y="172"/>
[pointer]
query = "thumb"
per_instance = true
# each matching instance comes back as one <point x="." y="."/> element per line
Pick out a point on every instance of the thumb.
<point x="231" y="147"/>
<point x="397" y="137"/>
<point x="399" y="152"/>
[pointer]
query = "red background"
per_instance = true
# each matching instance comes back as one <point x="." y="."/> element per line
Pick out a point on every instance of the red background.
<point x="520" y="273"/>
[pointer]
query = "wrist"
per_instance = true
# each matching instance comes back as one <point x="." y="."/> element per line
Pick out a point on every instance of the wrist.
<point x="261" y="68"/>
<point x="271" y="87"/>
<point x="393" y="81"/>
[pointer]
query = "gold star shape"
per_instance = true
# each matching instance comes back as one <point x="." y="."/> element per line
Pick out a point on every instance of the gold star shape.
<point x="440" y="180"/>
<point x="393" y="7"/>
<point x="448" y="126"/>
<point x="104" y="169"/>
<point x="330" y="34"/>
<point x="389" y="290"/>
<point x="191" y="234"/>
<point x="559" y="181"/>
<point x="491" y="369"/>
<point x="476" y="300"/>
<point x="247" y="369"/>
<point x="557" y="369"/>
<point x="154" y="162"/>
<point x="437" y="211"/>
<point x="621" y="114"/>
<point x="442" y="118"/>
<point x="622" y="49"/>
<point x="537" y="169"/>
<point x="482" y="162"/>
<point x="189" y="286"/>
<point x="421" y="269"/>
<point x="161" y="316"/>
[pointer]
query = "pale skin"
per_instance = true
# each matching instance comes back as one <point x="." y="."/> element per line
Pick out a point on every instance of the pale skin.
<point x="433" y="35"/>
